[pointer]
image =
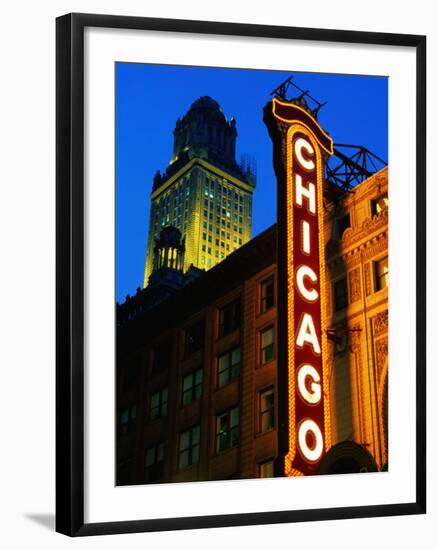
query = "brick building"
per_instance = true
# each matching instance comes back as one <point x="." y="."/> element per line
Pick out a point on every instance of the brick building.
<point x="197" y="355"/>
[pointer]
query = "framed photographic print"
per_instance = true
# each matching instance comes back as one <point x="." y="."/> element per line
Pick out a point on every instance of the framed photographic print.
<point x="233" y="297"/>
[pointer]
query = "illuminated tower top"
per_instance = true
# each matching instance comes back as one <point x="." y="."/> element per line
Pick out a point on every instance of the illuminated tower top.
<point x="206" y="133"/>
<point x="203" y="192"/>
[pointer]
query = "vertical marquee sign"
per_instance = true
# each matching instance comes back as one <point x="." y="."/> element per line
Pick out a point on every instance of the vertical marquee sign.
<point x="300" y="147"/>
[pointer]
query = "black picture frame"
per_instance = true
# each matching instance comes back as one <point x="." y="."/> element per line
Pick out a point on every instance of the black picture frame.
<point x="70" y="273"/>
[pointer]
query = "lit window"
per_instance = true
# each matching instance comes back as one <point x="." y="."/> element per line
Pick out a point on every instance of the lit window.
<point x="230" y="317"/>
<point x="159" y="403"/>
<point x="267" y="341"/>
<point x="381" y="274"/>
<point x="154" y="463"/>
<point x="189" y="446"/>
<point x="127" y="419"/>
<point x="267" y="294"/>
<point x="192" y="387"/>
<point x="265" y="469"/>
<point x="228" y="367"/>
<point x="266" y="408"/>
<point x="379" y="204"/>
<point x="227" y="429"/>
<point x="340" y="294"/>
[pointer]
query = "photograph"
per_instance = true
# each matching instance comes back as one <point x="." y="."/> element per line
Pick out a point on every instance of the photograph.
<point x="251" y="273"/>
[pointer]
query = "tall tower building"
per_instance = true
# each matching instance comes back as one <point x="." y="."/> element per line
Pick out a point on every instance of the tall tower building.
<point x="203" y="192"/>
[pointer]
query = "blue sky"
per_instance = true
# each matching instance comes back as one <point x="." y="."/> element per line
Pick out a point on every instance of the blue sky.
<point x="149" y="99"/>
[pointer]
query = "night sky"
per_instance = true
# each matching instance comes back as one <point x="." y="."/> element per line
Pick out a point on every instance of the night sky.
<point x="149" y="99"/>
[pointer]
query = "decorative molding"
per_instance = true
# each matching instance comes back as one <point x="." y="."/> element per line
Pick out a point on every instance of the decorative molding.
<point x="381" y="352"/>
<point x="367" y="279"/>
<point x="355" y="338"/>
<point x="354" y="285"/>
<point x="369" y="248"/>
<point x="380" y="323"/>
<point x="369" y="225"/>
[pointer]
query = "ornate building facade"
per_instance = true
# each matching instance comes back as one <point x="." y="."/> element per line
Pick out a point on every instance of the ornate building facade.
<point x="204" y="192"/>
<point x="197" y="374"/>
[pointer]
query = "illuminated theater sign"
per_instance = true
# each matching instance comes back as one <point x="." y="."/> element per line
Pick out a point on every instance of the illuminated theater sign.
<point x="300" y="146"/>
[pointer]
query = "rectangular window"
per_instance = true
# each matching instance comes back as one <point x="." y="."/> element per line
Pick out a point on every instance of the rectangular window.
<point x="192" y="387"/>
<point x="230" y="317"/>
<point x="379" y="204"/>
<point x="267" y="294"/>
<point x="340" y="294"/>
<point x="227" y="429"/>
<point x="127" y="419"/>
<point x="228" y="367"/>
<point x="267" y="342"/>
<point x="381" y="274"/>
<point x="189" y="446"/>
<point x="194" y="336"/>
<point x="159" y="403"/>
<point x="154" y="463"/>
<point x="265" y="469"/>
<point x="266" y="410"/>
